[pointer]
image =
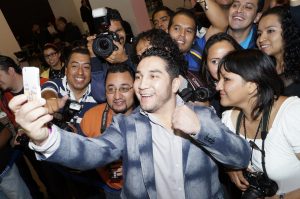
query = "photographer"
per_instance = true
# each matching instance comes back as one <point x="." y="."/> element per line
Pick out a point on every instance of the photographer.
<point x="74" y="89"/>
<point x="121" y="52"/>
<point x="249" y="83"/>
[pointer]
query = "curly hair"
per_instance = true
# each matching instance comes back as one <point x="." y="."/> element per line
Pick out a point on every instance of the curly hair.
<point x="159" y="39"/>
<point x="172" y="59"/>
<point x="291" y="40"/>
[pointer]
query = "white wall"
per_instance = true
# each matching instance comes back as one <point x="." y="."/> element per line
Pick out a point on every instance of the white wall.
<point x="127" y="11"/>
<point x="8" y="42"/>
<point x="70" y="9"/>
<point x="173" y="4"/>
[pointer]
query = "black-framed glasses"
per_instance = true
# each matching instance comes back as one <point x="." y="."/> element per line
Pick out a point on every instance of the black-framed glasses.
<point x="50" y="55"/>
<point x="122" y="89"/>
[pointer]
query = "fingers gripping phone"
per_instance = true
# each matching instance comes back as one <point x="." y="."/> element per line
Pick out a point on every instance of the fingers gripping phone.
<point x="31" y="82"/>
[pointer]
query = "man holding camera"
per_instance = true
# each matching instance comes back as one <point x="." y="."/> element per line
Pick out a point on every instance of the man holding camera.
<point x="73" y="90"/>
<point x="115" y="50"/>
<point x="169" y="150"/>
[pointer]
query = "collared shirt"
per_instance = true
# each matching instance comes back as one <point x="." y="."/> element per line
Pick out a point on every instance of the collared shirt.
<point x="61" y="87"/>
<point x="167" y="156"/>
<point x="246" y="42"/>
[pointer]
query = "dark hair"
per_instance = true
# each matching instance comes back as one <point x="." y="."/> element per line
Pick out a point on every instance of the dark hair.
<point x="172" y="59"/>
<point x="62" y="19"/>
<point x="50" y="46"/>
<point x="255" y="66"/>
<point x="159" y="39"/>
<point x="6" y="62"/>
<point x="219" y="37"/>
<point x="80" y="50"/>
<point x="291" y="41"/>
<point x="260" y="5"/>
<point x="185" y="12"/>
<point x="120" y="68"/>
<point x="113" y="14"/>
<point x="162" y="8"/>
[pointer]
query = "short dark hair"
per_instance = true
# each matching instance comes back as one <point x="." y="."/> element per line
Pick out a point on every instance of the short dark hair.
<point x="80" y="50"/>
<point x="219" y="37"/>
<point x="255" y="66"/>
<point x="162" y="8"/>
<point x="120" y="68"/>
<point x="6" y="62"/>
<point x="50" y="46"/>
<point x="114" y="14"/>
<point x="172" y="59"/>
<point x="62" y="19"/>
<point x="160" y="39"/>
<point x="185" y="12"/>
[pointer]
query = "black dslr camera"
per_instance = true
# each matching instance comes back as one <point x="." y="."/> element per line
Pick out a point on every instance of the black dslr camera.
<point x="260" y="186"/>
<point x="103" y="45"/>
<point x="62" y="119"/>
<point x="196" y="90"/>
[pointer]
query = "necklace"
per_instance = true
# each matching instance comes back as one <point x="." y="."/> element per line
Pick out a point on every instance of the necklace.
<point x="256" y="134"/>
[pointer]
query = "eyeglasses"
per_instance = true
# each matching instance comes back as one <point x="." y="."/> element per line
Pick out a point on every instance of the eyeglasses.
<point x="50" y="55"/>
<point x="122" y="89"/>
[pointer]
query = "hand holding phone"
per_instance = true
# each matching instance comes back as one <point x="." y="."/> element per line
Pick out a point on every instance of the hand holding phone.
<point x="31" y="82"/>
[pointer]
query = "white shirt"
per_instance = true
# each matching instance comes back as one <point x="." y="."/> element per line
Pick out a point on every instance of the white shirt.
<point x="281" y="146"/>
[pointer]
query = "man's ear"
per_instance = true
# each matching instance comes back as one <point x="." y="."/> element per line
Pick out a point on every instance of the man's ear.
<point x="176" y="84"/>
<point x="257" y="18"/>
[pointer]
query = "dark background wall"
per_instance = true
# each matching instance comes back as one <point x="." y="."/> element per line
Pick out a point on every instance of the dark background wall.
<point x="22" y="14"/>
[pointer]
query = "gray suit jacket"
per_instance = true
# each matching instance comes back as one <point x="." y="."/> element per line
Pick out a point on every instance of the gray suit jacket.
<point x="131" y="138"/>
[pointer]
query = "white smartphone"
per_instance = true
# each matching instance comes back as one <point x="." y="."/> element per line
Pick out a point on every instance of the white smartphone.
<point x="31" y="82"/>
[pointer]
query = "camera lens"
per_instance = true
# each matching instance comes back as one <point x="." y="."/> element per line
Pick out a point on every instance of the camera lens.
<point x="103" y="46"/>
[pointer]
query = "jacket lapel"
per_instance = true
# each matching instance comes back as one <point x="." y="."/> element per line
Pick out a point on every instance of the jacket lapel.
<point x="144" y="140"/>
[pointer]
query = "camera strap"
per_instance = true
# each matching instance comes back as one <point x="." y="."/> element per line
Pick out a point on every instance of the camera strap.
<point x="264" y="131"/>
<point x="104" y="119"/>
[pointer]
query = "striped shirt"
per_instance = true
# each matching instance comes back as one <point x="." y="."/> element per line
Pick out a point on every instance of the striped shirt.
<point x="61" y="87"/>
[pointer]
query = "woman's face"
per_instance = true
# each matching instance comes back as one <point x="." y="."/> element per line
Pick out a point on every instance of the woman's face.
<point x="215" y="53"/>
<point x="269" y="34"/>
<point x="52" y="57"/>
<point x="234" y="90"/>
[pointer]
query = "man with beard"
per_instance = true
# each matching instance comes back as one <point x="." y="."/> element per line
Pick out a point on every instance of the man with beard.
<point x="120" y="99"/>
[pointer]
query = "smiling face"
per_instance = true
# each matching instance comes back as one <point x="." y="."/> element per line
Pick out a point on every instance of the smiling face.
<point x="154" y="87"/>
<point x="269" y="38"/>
<point x="215" y="53"/>
<point x="234" y="90"/>
<point x="78" y="72"/>
<point x="122" y="99"/>
<point x="183" y="31"/>
<point x="52" y="57"/>
<point x="242" y="14"/>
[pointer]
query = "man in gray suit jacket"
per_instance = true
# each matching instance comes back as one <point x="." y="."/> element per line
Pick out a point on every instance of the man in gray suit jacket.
<point x="169" y="149"/>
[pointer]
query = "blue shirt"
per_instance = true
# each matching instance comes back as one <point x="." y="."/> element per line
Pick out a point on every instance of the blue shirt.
<point x="194" y="56"/>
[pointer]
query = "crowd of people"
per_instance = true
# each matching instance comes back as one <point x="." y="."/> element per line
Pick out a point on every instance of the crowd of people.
<point x="190" y="109"/>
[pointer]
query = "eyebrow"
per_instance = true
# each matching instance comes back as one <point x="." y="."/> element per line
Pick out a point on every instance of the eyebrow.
<point x="77" y="62"/>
